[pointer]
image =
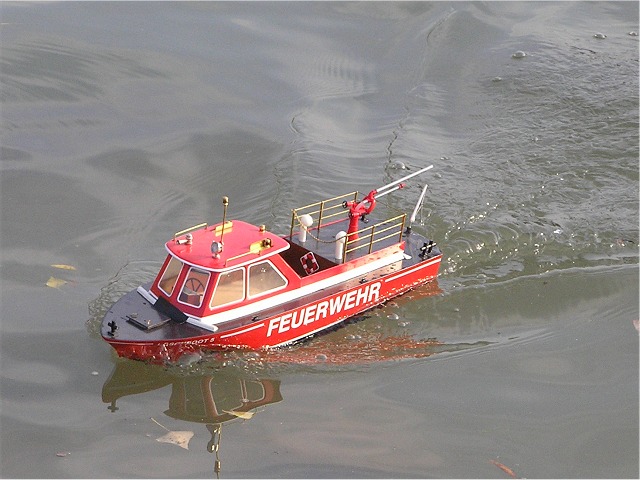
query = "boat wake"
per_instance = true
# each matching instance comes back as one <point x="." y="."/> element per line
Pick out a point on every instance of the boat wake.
<point x="131" y="275"/>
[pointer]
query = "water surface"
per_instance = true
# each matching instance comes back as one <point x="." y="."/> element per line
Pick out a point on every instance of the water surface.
<point x="125" y="122"/>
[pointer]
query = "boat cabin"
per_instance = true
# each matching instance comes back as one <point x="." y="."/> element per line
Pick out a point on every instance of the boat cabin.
<point x="209" y="269"/>
<point x="233" y="265"/>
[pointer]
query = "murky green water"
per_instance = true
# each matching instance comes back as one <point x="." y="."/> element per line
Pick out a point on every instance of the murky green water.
<point x="125" y="122"/>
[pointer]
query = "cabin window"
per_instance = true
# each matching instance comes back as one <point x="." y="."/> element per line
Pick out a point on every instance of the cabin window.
<point x="170" y="276"/>
<point x="230" y="288"/>
<point x="194" y="286"/>
<point x="263" y="278"/>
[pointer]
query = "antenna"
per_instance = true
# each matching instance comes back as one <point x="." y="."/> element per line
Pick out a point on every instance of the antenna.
<point x="216" y="247"/>
<point x="418" y="207"/>
<point x="225" y="204"/>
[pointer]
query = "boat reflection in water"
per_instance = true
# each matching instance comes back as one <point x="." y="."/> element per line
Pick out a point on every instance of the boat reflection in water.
<point x="211" y="399"/>
<point x="219" y="387"/>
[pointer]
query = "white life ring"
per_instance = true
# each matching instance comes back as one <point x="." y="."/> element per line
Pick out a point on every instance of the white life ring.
<point x="309" y="263"/>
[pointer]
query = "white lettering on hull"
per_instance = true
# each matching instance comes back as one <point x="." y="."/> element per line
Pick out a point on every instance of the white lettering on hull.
<point x="325" y="308"/>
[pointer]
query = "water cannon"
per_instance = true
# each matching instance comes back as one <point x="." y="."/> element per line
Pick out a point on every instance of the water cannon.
<point x="364" y="207"/>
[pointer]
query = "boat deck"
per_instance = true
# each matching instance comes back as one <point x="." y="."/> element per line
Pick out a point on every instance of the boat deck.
<point x="374" y="235"/>
<point x="330" y="217"/>
<point x="322" y="242"/>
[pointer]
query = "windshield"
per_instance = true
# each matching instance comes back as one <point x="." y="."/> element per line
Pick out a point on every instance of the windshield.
<point x="230" y="288"/>
<point x="170" y="276"/>
<point x="194" y="286"/>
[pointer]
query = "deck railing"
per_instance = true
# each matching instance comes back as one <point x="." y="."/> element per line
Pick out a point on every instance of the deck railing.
<point x="370" y="236"/>
<point x="367" y="238"/>
<point x="321" y="211"/>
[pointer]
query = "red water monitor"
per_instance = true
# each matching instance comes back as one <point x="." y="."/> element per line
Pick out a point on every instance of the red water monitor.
<point x="358" y="210"/>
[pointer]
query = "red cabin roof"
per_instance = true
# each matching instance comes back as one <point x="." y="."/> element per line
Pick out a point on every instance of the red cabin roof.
<point x="241" y="243"/>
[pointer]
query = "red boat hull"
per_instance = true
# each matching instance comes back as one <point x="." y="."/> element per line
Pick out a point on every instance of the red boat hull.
<point x="290" y="326"/>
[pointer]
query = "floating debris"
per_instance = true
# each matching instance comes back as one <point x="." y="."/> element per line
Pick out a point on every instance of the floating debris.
<point x="636" y="323"/>
<point x="633" y="34"/>
<point x="321" y="357"/>
<point x="505" y="469"/>
<point x="63" y="267"/>
<point x="54" y="282"/>
<point x="180" y="438"/>
<point x="95" y="373"/>
<point x="519" y="54"/>
<point x="393" y="316"/>
<point x="62" y="454"/>
<point x="600" y="36"/>
<point x="621" y="242"/>
<point x="497" y="79"/>
<point x="239" y="414"/>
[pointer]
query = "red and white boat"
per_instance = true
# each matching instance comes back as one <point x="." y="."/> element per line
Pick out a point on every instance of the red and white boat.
<point x="237" y="285"/>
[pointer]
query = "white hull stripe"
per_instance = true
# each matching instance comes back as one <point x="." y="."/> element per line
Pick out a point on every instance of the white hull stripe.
<point x="287" y="321"/>
<point x="239" y="332"/>
<point x="342" y="318"/>
<point x="411" y="270"/>
<point x="285" y="297"/>
<point x="147" y="295"/>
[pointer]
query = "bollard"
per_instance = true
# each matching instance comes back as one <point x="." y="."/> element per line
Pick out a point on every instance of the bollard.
<point x="340" y="241"/>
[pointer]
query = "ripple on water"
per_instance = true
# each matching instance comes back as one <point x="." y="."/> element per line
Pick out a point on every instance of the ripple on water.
<point x="129" y="277"/>
<point x="36" y="373"/>
<point x="554" y="160"/>
<point x="63" y="73"/>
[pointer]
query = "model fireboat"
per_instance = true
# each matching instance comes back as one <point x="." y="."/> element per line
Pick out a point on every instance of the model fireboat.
<point x="236" y="285"/>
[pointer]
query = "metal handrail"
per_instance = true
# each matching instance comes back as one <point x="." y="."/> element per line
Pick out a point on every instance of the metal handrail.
<point x="320" y="209"/>
<point x="373" y="232"/>
<point x="190" y="229"/>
